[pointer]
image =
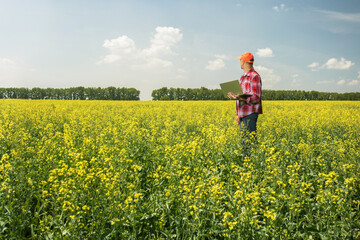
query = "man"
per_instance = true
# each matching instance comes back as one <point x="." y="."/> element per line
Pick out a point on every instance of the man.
<point x="248" y="109"/>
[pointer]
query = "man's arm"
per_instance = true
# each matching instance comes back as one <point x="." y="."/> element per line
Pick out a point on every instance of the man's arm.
<point x="254" y="88"/>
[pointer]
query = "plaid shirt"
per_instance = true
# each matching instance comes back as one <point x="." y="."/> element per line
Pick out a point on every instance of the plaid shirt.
<point x="250" y="83"/>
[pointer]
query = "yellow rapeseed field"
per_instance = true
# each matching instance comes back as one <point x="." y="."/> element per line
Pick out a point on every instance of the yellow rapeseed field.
<point x="174" y="170"/>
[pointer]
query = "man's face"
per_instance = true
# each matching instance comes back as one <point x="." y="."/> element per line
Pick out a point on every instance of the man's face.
<point x="242" y="63"/>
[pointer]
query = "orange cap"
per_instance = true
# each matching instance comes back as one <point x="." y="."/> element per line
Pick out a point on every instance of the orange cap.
<point x="247" y="57"/>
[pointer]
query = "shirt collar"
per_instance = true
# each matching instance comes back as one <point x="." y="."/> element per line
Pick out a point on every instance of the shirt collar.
<point x="250" y="71"/>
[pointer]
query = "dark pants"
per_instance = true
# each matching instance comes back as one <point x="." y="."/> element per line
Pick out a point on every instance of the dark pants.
<point x="248" y="132"/>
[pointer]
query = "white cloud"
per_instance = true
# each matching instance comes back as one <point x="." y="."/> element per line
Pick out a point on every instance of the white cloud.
<point x="341" y="82"/>
<point x="217" y="64"/>
<point x="120" y="45"/>
<point x="353" y="83"/>
<point x="164" y="39"/>
<point x="268" y="77"/>
<point x="124" y="49"/>
<point x="110" y="58"/>
<point x="350" y="17"/>
<point x="333" y="63"/>
<point x="264" y="52"/>
<point x="313" y="65"/>
<point x="221" y="56"/>
<point x="280" y="8"/>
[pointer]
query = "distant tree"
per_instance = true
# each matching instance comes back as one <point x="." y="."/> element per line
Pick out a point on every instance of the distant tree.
<point x="3" y="93"/>
<point x="22" y="93"/>
<point x="37" y="93"/>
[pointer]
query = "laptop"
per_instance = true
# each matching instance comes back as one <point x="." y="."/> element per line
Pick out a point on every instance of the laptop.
<point x="234" y="87"/>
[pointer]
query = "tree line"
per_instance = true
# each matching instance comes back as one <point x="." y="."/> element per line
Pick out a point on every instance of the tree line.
<point x="203" y="93"/>
<point x="183" y="94"/>
<point x="308" y="95"/>
<point x="74" y="93"/>
<point x="164" y="93"/>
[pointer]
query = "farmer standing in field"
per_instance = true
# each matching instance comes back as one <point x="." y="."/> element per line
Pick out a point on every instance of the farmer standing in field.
<point x="248" y="109"/>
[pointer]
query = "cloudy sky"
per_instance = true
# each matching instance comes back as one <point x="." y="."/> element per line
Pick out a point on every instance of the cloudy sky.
<point x="304" y="45"/>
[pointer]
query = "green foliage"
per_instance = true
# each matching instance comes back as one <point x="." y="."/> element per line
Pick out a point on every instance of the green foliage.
<point x="75" y="93"/>
<point x="189" y="94"/>
<point x="164" y="93"/>
<point x="203" y="93"/>
<point x="307" y="95"/>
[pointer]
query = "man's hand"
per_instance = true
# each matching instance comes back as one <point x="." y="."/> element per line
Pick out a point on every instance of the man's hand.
<point x="232" y="96"/>
<point x="235" y="97"/>
<point x="238" y="120"/>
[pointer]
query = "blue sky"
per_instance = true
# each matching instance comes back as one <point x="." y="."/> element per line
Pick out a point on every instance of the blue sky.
<point x="304" y="45"/>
